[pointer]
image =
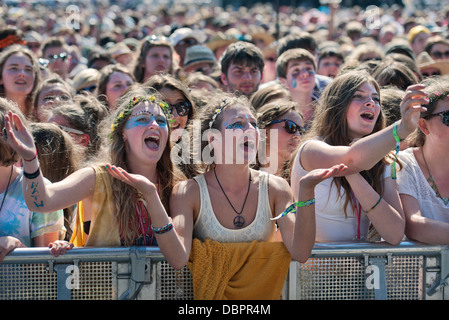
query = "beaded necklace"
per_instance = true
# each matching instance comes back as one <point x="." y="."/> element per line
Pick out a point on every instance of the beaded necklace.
<point x="431" y="180"/>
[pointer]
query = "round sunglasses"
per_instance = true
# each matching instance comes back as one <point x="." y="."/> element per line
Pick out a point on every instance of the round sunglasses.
<point x="443" y="114"/>
<point x="182" y="108"/>
<point x="290" y="126"/>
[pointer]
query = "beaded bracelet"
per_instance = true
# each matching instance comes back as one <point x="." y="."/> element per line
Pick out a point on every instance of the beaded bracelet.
<point x="33" y="175"/>
<point x="168" y="227"/>
<point x="398" y="143"/>
<point x="292" y="208"/>
<point x="373" y="207"/>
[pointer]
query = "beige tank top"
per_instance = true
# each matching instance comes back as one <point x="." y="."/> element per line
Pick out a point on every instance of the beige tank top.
<point x="261" y="228"/>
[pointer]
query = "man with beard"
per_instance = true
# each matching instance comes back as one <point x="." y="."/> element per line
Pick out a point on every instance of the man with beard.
<point x="241" y="68"/>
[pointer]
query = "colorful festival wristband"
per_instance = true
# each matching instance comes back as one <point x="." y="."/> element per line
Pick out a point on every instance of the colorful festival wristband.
<point x="292" y="208"/>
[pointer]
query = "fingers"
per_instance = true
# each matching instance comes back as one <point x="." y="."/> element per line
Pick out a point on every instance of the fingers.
<point x="59" y="247"/>
<point x="415" y="97"/>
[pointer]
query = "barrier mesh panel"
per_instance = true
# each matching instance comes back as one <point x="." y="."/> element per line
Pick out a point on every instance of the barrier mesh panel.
<point x="344" y="278"/>
<point x="173" y="284"/>
<point x="96" y="281"/>
<point x="27" y="282"/>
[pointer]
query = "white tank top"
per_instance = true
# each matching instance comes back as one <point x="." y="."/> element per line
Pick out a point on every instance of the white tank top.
<point x="261" y="228"/>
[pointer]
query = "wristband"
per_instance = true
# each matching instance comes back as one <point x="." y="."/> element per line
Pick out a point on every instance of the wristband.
<point x="292" y="208"/>
<point x="33" y="175"/>
<point x="398" y="143"/>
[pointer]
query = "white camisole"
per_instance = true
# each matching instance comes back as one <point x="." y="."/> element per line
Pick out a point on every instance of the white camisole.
<point x="261" y="228"/>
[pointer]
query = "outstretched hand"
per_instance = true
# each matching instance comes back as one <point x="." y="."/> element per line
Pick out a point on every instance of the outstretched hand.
<point x="18" y="136"/>
<point x="312" y="178"/>
<point x="139" y="182"/>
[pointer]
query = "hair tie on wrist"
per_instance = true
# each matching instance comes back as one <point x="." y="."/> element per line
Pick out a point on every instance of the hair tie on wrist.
<point x="35" y="156"/>
<point x="373" y="207"/>
<point x="32" y="176"/>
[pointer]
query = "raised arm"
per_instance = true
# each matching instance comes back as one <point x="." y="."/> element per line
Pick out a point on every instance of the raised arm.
<point x="40" y="197"/>
<point x="366" y="152"/>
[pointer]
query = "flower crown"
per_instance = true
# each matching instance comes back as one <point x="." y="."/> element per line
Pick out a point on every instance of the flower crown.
<point x="438" y="96"/>
<point x="223" y="104"/>
<point x="132" y="103"/>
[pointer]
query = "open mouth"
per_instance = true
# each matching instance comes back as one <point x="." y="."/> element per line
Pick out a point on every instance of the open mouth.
<point x="367" y="116"/>
<point x="20" y="82"/>
<point x="152" y="141"/>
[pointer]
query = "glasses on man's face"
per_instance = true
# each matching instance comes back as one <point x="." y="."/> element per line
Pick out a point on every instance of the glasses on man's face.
<point x="182" y="108"/>
<point x="440" y="54"/>
<point x="290" y="126"/>
<point x="432" y="74"/>
<point x="55" y="57"/>
<point x="443" y="114"/>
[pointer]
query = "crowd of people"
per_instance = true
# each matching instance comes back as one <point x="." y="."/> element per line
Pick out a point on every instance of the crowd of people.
<point x="203" y="129"/>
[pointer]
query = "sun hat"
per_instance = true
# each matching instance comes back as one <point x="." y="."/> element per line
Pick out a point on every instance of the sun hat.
<point x="424" y="60"/>
<point x="184" y="33"/>
<point x="197" y="54"/>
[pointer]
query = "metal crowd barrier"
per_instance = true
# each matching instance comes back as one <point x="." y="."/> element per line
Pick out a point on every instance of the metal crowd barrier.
<point x="335" y="271"/>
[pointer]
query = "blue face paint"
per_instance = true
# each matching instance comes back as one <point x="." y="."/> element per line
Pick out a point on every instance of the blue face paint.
<point x="145" y="119"/>
<point x="293" y="83"/>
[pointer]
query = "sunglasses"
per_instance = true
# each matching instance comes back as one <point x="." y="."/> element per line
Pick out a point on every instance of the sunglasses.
<point x="443" y="114"/>
<point x="290" y="126"/>
<point x="439" y="54"/>
<point x="70" y="130"/>
<point x="55" y="57"/>
<point x="433" y="74"/>
<point x="182" y="108"/>
<point x="90" y="89"/>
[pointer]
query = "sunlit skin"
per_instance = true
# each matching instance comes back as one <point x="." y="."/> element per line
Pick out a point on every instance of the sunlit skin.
<point x="145" y="133"/>
<point x="286" y="142"/>
<point x="157" y="61"/>
<point x="242" y="78"/>
<point x="50" y="96"/>
<point x="173" y="97"/>
<point x="18" y="78"/>
<point x="363" y="111"/>
<point x="58" y="66"/>
<point x="116" y="86"/>
<point x="240" y="136"/>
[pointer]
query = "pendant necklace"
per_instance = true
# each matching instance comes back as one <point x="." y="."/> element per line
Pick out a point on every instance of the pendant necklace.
<point x="7" y="187"/>
<point x="431" y="180"/>
<point x="238" y="221"/>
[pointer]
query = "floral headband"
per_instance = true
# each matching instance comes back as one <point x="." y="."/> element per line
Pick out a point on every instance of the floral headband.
<point x="223" y="104"/>
<point x="438" y="95"/>
<point x="132" y="103"/>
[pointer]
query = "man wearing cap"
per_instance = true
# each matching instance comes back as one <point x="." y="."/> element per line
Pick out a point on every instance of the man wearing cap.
<point x="199" y="58"/>
<point x="183" y="38"/>
<point x="242" y="65"/>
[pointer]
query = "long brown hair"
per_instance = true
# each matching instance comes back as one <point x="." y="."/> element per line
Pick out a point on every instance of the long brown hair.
<point x="17" y="49"/>
<point x="124" y="194"/>
<point x="330" y="124"/>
